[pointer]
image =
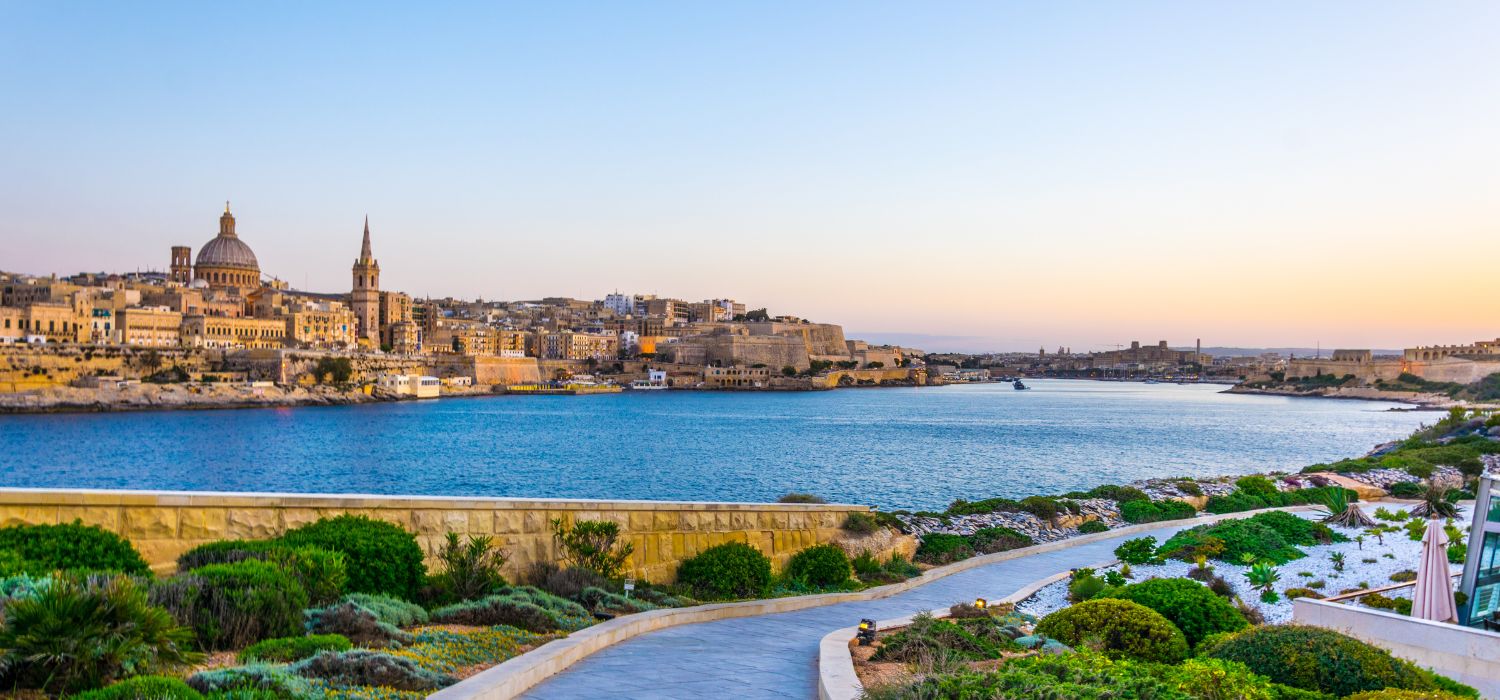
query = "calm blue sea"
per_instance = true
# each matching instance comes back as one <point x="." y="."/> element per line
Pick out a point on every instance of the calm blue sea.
<point x="914" y="448"/>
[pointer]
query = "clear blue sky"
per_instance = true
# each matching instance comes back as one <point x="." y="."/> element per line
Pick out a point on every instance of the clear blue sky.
<point x="985" y="175"/>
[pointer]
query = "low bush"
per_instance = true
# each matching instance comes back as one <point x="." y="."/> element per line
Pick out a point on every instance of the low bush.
<point x="143" y="688"/>
<point x="1234" y="502"/>
<point x="380" y="557"/>
<point x="389" y="610"/>
<point x="1295" y="593"/>
<point x="1295" y="530"/>
<point x="1232" y="539"/>
<point x="1119" y="494"/>
<point x="1400" y="606"/>
<point x="1084" y="585"/>
<point x="288" y="649"/>
<point x="1194" y="609"/>
<point x="362" y="667"/>
<point x="600" y="600"/>
<point x="1041" y="506"/>
<point x="322" y="573"/>
<point x="860" y="523"/>
<point x="796" y="497"/>
<point x="360" y="625"/>
<point x="1119" y="629"/>
<point x="1313" y="658"/>
<point x="989" y="540"/>
<point x="1394" y="694"/>
<point x="1155" y="511"/>
<point x="927" y="638"/>
<point x="230" y="606"/>
<point x="1257" y="486"/>
<point x="1138" y="550"/>
<point x="522" y="607"/>
<point x="938" y="548"/>
<point x="1092" y="527"/>
<point x="1406" y="489"/>
<point x="71" y="636"/>
<point x="276" y="680"/>
<point x="42" y="549"/>
<point x="866" y="564"/>
<point x="820" y="565"/>
<point x="593" y="545"/>
<point x="727" y="571"/>
<point x="469" y="569"/>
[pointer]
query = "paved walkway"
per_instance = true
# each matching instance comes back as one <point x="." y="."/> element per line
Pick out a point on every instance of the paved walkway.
<point x="776" y="656"/>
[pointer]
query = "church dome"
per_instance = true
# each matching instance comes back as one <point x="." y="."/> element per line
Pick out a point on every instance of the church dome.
<point x="227" y="251"/>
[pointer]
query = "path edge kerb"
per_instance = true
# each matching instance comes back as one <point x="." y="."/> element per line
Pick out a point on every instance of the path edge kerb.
<point x="519" y="674"/>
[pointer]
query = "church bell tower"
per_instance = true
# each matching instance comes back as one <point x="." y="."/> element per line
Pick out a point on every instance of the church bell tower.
<point x="365" y="297"/>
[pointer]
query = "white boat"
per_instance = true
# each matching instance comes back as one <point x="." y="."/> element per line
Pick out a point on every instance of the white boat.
<point x="645" y="385"/>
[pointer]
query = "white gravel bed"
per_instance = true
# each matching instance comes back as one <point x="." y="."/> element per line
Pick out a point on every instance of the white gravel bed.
<point x="1366" y="567"/>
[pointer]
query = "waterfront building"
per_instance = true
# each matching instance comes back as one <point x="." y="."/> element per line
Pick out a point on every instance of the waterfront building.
<point x="201" y="331"/>
<point x="155" y="326"/>
<point x="736" y="377"/>
<point x="365" y="296"/>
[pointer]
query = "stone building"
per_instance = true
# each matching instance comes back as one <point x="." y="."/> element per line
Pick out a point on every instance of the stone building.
<point x="157" y="327"/>
<point x="218" y="332"/>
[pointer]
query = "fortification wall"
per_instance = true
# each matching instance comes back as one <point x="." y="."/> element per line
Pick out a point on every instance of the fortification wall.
<point x="1365" y="372"/>
<point x="1455" y="369"/>
<point x="164" y="524"/>
<point x="28" y="368"/>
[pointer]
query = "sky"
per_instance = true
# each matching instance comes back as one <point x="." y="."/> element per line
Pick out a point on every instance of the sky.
<point x="955" y="176"/>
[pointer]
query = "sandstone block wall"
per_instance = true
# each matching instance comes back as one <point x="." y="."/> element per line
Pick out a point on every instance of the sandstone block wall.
<point x="164" y="524"/>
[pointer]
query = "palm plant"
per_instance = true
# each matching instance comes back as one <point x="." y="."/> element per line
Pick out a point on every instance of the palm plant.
<point x="1338" y="560"/>
<point x="1435" y="503"/>
<point x="1263" y="576"/>
<point x="1339" y="509"/>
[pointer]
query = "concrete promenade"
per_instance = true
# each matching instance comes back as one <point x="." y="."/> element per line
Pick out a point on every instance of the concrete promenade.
<point x="776" y="656"/>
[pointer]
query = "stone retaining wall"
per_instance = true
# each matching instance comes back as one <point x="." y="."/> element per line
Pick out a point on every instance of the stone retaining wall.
<point x="164" y="524"/>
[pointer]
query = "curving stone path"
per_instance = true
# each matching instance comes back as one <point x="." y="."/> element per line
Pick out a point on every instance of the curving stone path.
<point x="776" y="656"/>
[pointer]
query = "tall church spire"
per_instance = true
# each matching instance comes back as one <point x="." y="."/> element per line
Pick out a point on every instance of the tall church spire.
<point x="364" y="250"/>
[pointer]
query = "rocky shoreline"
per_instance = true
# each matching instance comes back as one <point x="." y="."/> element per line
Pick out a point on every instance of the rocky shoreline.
<point x="1424" y="401"/>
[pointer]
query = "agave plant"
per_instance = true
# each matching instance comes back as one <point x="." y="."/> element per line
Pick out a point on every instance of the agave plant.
<point x="1263" y="576"/>
<point x="1435" y="503"/>
<point x="1340" y="510"/>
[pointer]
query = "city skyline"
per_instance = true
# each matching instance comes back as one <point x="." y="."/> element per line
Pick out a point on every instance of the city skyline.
<point x="984" y="179"/>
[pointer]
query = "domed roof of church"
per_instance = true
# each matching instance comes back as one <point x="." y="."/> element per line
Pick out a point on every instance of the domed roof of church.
<point x="227" y="251"/>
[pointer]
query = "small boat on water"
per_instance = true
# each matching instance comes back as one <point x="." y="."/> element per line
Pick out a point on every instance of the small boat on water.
<point x="1019" y="386"/>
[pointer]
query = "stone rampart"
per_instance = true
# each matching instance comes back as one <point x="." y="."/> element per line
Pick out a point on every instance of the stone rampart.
<point x="164" y="524"/>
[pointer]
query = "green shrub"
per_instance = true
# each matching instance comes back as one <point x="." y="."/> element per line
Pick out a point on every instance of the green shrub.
<point x="1155" y="511"/>
<point x="288" y="649"/>
<point x="989" y="540"/>
<point x="1084" y="585"/>
<point x="1092" y="527"/>
<point x="1406" y="489"/>
<point x="1295" y="530"/>
<point x="70" y="636"/>
<point x="390" y="610"/>
<point x="727" y="571"/>
<point x="1119" y="494"/>
<point x="593" y="545"/>
<point x="322" y="573"/>
<point x="1041" y="506"/>
<point x="1138" y="550"/>
<point x="358" y="624"/>
<point x="860" y="523"/>
<point x="927" y="637"/>
<point x="1234" y="502"/>
<point x="1185" y="603"/>
<point x="943" y="548"/>
<point x="233" y="605"/>
<point x="275" y="679"/>
<point x="1190" y="488"/>
<point x="70" y="547"/>
<point x="143" y="688"/>
<point x="1119" y="629"/>
<point x="362" y="667"/>
<point x="1394" y="694"/>
<point x="819" y="565"/>
<point x="1313" y="658"/>
<point x="470" y="568"/>
<point x="527" y="609"/>
<point x="1257" y="486"/>
<point x="866" y="564"/>
<point x="796" y="497"/>
<point x="1234" y="539"/>
<point x="380" y="557"/>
